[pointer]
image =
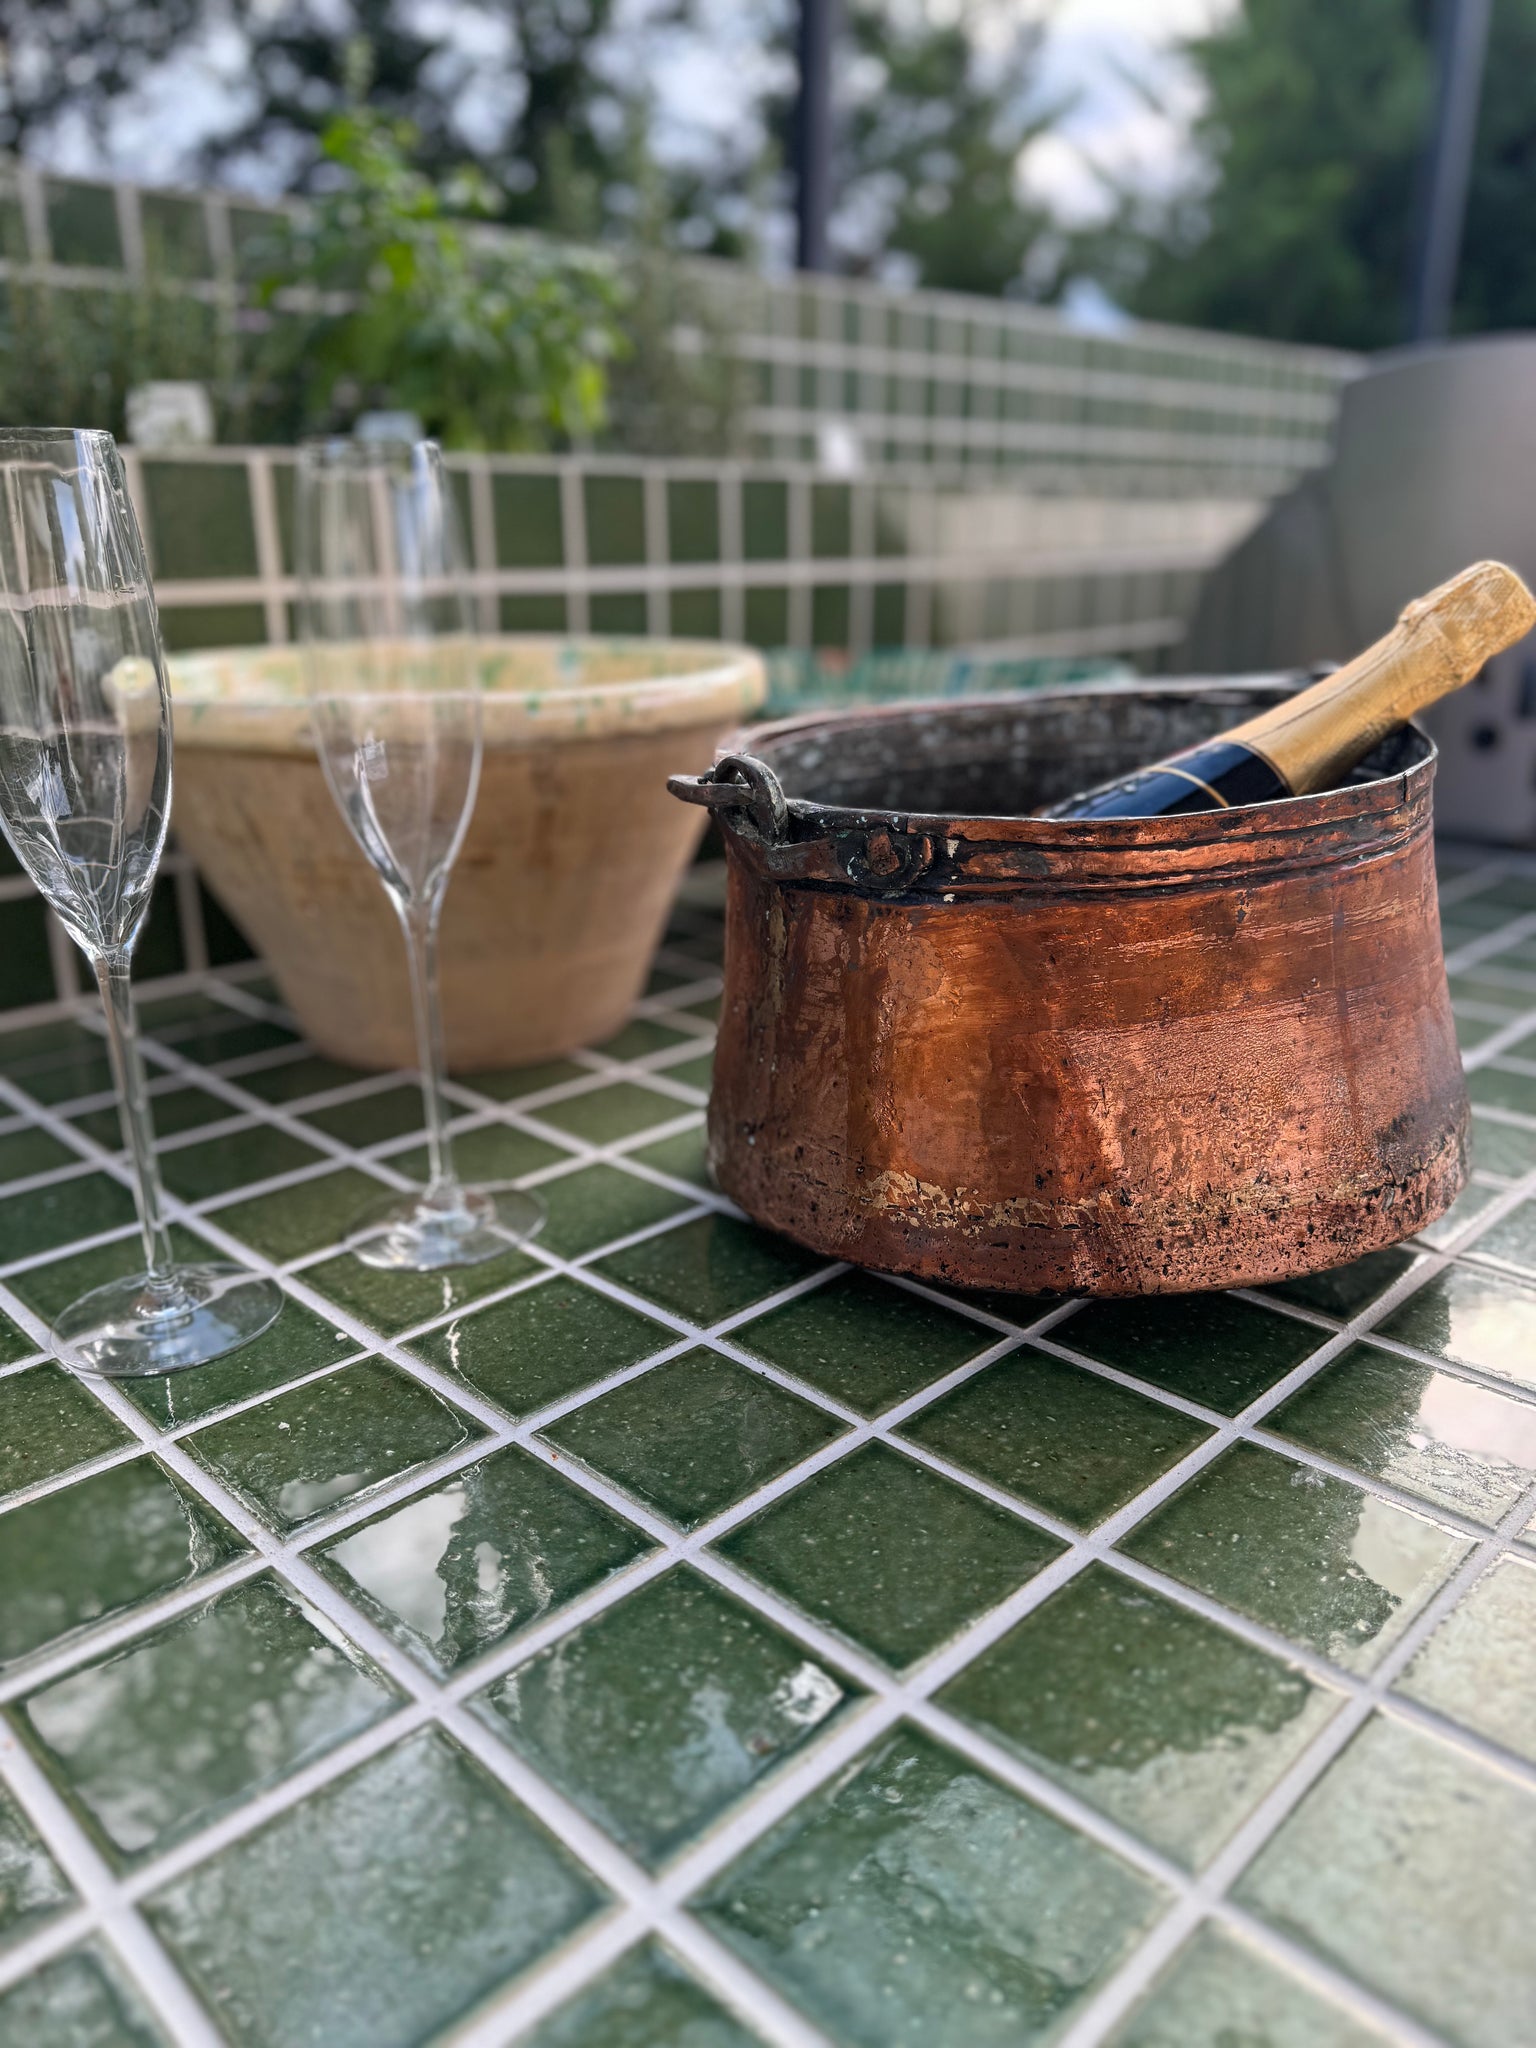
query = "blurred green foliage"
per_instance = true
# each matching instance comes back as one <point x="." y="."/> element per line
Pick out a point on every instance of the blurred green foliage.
<point x="1311" y="141"/>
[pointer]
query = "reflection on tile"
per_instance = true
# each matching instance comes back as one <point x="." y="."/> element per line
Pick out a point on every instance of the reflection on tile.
<point x="1479" y="1666"/>
<point x="376" y="1911"/>
<point x="1210" y="1348"/>
<point x="864" y="1341"/>
<point x="1076" y="1445"/>
<point x="1345" y="1290"/>
<point x="98" y="1547"/>
<point x="1512" y="1239"/>
<point x="388" y="1302"/>
<point x="297" y="1343"/>
<point x="48" y="1288"/>
<point x="694" y="1434"/>
<point x="918" y="1904"/>
<point x="1428" y="1432"/>
<point x="645" y="2001"/>
<point x="1472" y="1317"/>
<point x="1168" y="1723"/>
<point x="497" y="1546"/>
<point x="659" y="1713"/>
<point x="541" y="1344"/>
<point x="1218" y="1993"/>
<point x="78" y="2001"/>
<point x="48" y="1422"/>
<point x="1359" y="1873"/>
<point x="301" y="1454"/>
<point x="160" y="1738"/>
<point x="710" y="1268"/>
<point x="32" y="1887"/>
<point x="1318" y="1560"/>
<point x="1470" y="1203"/>
<point x="891" y="1553"/>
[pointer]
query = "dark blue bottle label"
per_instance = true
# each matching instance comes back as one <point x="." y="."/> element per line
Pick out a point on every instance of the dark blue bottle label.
<point x="1214" y="777"/>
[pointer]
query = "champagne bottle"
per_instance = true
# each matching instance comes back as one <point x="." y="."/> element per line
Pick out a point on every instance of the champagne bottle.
<point x="1311" y="740"/>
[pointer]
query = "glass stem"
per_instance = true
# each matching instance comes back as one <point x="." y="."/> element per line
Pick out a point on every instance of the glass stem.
<point x="420" y="922"/>
<point x="133" y="1107"/>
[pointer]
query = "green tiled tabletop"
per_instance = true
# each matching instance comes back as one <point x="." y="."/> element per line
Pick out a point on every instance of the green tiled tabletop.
<point x="664" y="1638"/>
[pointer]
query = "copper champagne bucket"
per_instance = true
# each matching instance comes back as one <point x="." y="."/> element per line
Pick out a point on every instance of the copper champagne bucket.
<point x="1122" y="1056"/>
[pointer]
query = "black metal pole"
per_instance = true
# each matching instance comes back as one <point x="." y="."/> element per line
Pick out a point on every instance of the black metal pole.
<point x="1461" y="46"/>
<point x="813" y="133"/>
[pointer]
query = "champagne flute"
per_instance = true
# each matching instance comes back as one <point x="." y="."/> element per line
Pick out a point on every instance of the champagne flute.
<point x="396" y="703"/>
<point x="85" y="792"/>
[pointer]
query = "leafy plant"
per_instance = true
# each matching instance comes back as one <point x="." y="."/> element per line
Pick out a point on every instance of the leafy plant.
<point x="389" y="295"/>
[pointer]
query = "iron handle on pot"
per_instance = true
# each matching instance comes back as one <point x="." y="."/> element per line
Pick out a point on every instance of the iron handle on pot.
<point x="739" y="782"/>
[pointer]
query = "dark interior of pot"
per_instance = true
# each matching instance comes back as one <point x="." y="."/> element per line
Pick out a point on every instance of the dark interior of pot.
<point x="1007" y="756"/>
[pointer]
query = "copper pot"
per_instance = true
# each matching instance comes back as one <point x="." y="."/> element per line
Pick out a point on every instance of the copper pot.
<point x="1128" y="1056"/>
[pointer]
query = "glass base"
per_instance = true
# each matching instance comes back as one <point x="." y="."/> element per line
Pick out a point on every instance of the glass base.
<point x="132" y="1329"/>
<point x="423" y="1233"/>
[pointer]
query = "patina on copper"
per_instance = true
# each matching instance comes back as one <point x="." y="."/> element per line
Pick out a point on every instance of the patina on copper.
<point x="1116" y="1056"/>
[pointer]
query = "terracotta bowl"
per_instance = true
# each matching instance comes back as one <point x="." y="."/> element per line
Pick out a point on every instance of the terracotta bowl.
<point x="560" y="891"/>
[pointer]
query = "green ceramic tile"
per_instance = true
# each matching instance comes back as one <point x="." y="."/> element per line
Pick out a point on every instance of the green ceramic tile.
<point x="291" y="1221"/>
<point x="891" y="1553"/>
<point x="1500" y="1088"/>
<point x="1471" y="1031"/>
<point x="377" y="1911"/>
<point x="1430" y="1433"/>
<point x="1470" y="1203"/>
<point x="598" y="1205"/>
<point x="916" y="1903"/>
<point x="696" y="1073"/>
<point x="1310" y="1556"/>
<point x="161" y="1738"/>
<point x="1169" y="1724"/>
<point x="48" y="1422"/>
<point x="642" y="1035"/>
<point x="238" y="1159"/>
<point x="659" y="1713"/>
<point x="615" y="509"/>
<point x="1362" y="1874"/>
<point x="709" y="1008"/>
<point x="694" y="1434"/>
<point x="865" y="1342"/>
<point x="82" y="224"/>
<point x="683" y="1156"/>
<point x="1346" y="1290"/>
<point x="1076" y="1445"/>
<point x="1509" y="1149"/>
<point x="528" y="527"/>
<point x="512" y="1082"/>
<point x="174" y="1110"/>
<point x="303" y="1453"/>
<point x="60" y="1213"/>
<point x="1479" y="1666"/>
<point x="292" y="1080"/>
<point x="370" y="1119"/>
<point x="167" y="1017"/>
<point x="606" y="1114"/>
<point x="708" y="1269"/>
<point x="645" y="2001"/>
<point x="1472" y="1317"/>
<point x="25" y="1152"/>
<point x="297" y="1343"/>
<point x="213" y="1043"/>
<point x="200" y="517"/>
<point x="497" y="1546"/>
<point x="86" y="1071"/>
<point x="493" y="1152"/>
<point x="32" y="1887"/>
<point x="28" y="962"/>
<point x="1210" y="1348"/>
<point x="77" y="2001"/>
<point x="48" y="1288"/>
<point x="99" y="1547"/>
<point x="388" y="1302"/>
<point x="14" y="1342"/>
<point x="1507" y="997"/>
<point x="537" y="1346"/>
<point x="1512" y="1240"/>
<point x="1218" y="1993"/>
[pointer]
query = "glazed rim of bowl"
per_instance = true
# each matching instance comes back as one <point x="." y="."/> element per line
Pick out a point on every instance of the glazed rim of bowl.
<point x="537" y="687"/>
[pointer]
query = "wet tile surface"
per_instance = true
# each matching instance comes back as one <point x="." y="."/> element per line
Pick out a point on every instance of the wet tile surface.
<point x="455" y="1570"/>
<point x="1333" y="1567"/>
<point x="659" y="1714"/>
<point x="376" y="1911"/>
<point x="1358" y="1874"/>
<point x="222" y="1727"/>
<point x="1020" y="1918"/>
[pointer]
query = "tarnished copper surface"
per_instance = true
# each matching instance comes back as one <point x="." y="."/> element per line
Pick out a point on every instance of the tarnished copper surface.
<point x="1120" y="1056"/>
